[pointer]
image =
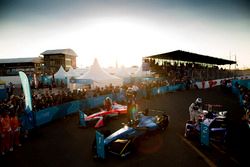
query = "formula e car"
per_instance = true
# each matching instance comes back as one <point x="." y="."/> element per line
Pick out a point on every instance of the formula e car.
<point x="123" y="142"/>
<point x="98" y="119"/>
<point x="215" y="122"/>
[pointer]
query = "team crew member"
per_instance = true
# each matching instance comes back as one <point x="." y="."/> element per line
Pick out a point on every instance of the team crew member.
<point x="131" y="104"/>
<point x="195" y="109"/>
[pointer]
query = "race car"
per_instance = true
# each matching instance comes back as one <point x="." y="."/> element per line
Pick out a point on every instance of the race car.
<point x="212" y="125"/>
<point x="123" y="142"/>
<point x="98" y="119"/>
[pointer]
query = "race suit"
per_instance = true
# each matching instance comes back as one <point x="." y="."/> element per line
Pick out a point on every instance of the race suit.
<point x="194" y="111"/>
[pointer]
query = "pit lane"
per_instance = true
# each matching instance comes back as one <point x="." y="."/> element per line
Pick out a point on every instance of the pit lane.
<point x="63" y="143"/>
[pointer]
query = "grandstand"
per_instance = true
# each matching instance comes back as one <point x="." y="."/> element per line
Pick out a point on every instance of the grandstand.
<point x="179" y="65"/>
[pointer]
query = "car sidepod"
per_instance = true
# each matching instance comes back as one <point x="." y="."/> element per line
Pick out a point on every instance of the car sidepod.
<point x="121" y="147"/>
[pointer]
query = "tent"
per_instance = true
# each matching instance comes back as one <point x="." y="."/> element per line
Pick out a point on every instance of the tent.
<point x="61" y="76"/>
<point x="100" y="77"/>
<point x="72" y="73"/>
<point x="122" y="72"/>
<point x="80" y="71"/>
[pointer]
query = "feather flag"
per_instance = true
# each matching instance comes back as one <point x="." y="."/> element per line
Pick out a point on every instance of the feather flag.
<point x="27" y="91"/>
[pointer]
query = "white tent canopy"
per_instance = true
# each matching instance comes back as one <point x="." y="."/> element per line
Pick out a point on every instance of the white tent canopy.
<point x="80" y="71"/>
<point x="100" y="77"/>
<point x="72" y="73"/>
<point x="60" y="74"/>
<point x="122" y="72"/>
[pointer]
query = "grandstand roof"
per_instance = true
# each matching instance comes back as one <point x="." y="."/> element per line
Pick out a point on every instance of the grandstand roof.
<point x="59" y="51"/>
<point x="21" y="60"/>
<point x="191" y="57"/>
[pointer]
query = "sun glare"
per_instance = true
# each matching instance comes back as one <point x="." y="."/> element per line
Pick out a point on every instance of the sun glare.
<point x="111" y="41"/>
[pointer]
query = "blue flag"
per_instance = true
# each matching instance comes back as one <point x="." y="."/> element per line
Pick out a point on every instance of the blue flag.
<point x="27" y="91"/>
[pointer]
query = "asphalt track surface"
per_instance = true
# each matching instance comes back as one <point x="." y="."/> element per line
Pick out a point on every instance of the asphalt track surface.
<point x="62" y="143"/>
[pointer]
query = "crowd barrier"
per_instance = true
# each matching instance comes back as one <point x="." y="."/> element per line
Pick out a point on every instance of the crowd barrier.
<point x="50" y="114"/>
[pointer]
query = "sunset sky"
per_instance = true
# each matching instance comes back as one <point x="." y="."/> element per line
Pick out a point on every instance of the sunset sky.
<point x="125" y="30"/>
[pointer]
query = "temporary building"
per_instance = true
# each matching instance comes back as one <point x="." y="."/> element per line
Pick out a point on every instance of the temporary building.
<point x="60" y="74"/>
<point x="99" y="77"/>
<point x="122" y="72"/>
<point x="72" y="73"/>
<point x="80" y="71"/>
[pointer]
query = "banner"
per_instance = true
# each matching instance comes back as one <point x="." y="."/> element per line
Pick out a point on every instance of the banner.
<point x="27" y="91"/>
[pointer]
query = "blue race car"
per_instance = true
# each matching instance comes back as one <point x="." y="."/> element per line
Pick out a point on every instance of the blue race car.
<point x="123" y="141"/>
<point x="212" y="125"/>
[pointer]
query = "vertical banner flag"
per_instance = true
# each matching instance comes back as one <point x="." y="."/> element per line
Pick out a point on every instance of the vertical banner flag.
<point x="27" y="91"/>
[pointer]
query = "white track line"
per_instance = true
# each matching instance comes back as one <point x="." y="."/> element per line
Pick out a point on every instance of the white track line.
<point x="206" y="159"/>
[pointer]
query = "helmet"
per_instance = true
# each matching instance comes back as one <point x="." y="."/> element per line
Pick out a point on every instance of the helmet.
<point x="130" y="91"/>
<point x="107" y="99"/>
<point x="198" y="100"/>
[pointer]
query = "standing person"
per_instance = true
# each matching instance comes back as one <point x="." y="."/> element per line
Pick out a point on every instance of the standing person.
<point x="15" y="127"/>
<point x="10" y="89"/>
<point x="131" y="105"/>
<point x="195" y="109"/>
<point x="6" y="133"/>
